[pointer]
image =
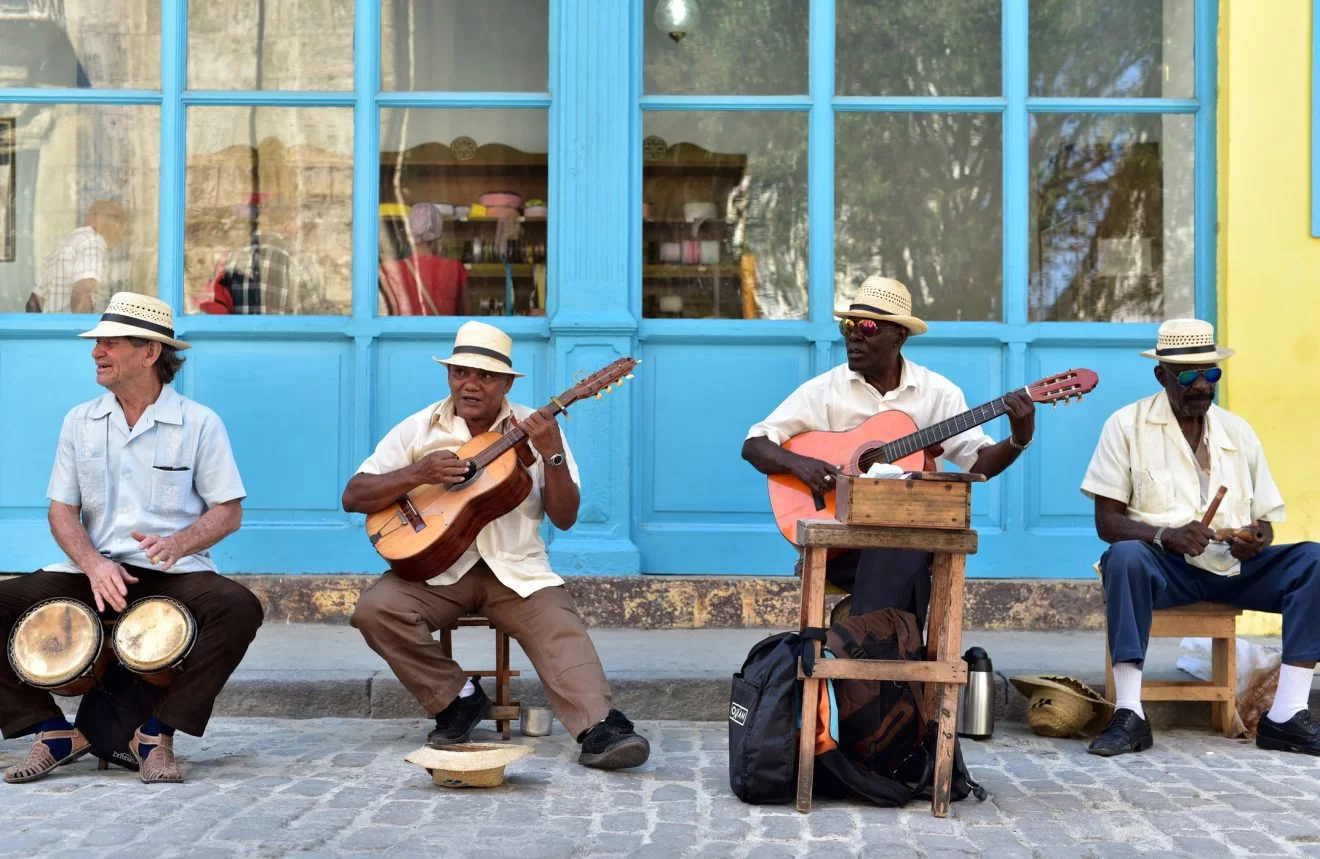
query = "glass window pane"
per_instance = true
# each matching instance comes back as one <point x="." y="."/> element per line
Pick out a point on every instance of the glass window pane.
<point x="917" y="48"/>
<point x="737" y="47"/>
<point x="270" y="44"/>
<point x="78" y="197"/>
<point x="481" y="45"/>
<point x="269" y="210"/>
<point x="1112" y="217"/>
<point x="724" y="222"/>
<point x="1112" y="48"/>
<point x="919" y="197"/>
<point x="463" y="212"/>
<point x="80" y="43"/>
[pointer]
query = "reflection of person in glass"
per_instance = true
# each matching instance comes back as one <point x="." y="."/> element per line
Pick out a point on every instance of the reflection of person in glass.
<point x="72" y="276"/>
<point x="267" y="274"/>
<point x="426" y="283"/>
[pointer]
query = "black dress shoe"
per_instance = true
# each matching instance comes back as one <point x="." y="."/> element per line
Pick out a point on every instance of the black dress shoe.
<point x="1298" y="734"/>
<point x="454" y="724"/>
<point x="1127" y="732"/>
<point x="612" y="744"/>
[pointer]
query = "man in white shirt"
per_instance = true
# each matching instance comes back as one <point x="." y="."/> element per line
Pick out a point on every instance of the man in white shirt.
<point x="1155" y="471"/>
<point x="72" y="276"/>
<point x="878" y="378"/>
<point x="144" y="485"/>
<point x="505" y="575"/>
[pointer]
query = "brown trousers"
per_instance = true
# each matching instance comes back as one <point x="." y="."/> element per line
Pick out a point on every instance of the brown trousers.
<point x="227" y="616"/>
<point x="398" y="618"/>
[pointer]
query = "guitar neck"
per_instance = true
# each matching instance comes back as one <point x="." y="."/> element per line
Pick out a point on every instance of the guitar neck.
<point x="934" y="434"/>
<point x="506" y="442"/>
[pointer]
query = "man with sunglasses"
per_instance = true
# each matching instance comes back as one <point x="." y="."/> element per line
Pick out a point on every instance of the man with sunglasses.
<point x="878" y="378"/>
<point x="1155" y="471"/>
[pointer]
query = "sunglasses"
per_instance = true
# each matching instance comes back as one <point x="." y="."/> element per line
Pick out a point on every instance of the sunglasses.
<point x="866" y="327"/>
<point x="1187" y="378"/>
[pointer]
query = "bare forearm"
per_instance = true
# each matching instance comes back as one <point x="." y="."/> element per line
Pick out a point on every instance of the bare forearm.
<point x="367" y="493"/>
<point x="768" y="457"/>
<point x="67" y="529"/>
<point x="994" y="458"/>
<point x="562" y="498"/>
<point x="1116" y="527"/>
<point x="80" y="297"/>
<point x="211" y="527"/>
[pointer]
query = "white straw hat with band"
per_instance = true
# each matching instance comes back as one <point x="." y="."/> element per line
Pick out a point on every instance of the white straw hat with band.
<point x="468" y="764"/>
<point x="885" y="300"/>
<point x="1187" y="341"/>
<point x="133" y="315"/>
<point x="482" y="347"/>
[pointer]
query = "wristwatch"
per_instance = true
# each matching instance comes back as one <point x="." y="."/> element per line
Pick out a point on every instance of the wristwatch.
<point x="1157" y="542"/>
<point x="1016" y="446"/>
<point x="556" y="459"/>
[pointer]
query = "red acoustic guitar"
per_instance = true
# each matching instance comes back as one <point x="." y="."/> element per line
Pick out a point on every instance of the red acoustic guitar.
<point x="426" y="531"/>
<point x="893" y="437"/>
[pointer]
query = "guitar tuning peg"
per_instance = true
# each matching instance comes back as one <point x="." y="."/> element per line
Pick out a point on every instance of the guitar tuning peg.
<point x="1055" y="404"/>
<point x="629" y="376"/>
<point x="598" y="395"/>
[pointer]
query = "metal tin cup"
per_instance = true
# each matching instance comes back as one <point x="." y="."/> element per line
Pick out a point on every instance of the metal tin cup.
<point x="535" y="721"/>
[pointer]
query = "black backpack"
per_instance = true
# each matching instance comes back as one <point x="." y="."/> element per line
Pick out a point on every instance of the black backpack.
<point x="112" y="710"/>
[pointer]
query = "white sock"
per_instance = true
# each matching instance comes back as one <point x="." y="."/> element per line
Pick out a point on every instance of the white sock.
<point x="1294" y="693"/>
<point x="468" y="689"/>
<point x="1127" y="688"/>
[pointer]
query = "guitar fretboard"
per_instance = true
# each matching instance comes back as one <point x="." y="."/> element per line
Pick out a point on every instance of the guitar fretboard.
<point x="934" y="434"/>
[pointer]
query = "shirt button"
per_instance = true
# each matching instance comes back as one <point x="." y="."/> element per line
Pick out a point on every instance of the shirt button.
<point x="123" y="509"/>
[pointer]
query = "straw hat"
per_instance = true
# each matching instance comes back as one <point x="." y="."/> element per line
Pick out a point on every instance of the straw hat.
<point x="482" y="347"/>
<point x="883" y="299"/>
<point x="468" y="764"/>
<point x="1187" y="341"/>
<point x="1062" y="706"/>
<point x="133" y="315"/>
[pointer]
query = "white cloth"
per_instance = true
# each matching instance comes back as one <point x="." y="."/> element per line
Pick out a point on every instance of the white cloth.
<point x="511" y="545"/>
<point x="842" y="399"/>
<point x="81" y="255"/>
<point x="1143" y="460"/>
<point x="157" y="477"/>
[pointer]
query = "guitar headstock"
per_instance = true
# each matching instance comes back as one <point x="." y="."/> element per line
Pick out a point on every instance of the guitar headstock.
<point x="600" y="382"/>
<point x="1063" y="387"/>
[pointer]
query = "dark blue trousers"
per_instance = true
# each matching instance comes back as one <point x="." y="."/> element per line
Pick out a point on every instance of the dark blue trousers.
<point x="1138" y="579"/>
<point x="884" y="578"/>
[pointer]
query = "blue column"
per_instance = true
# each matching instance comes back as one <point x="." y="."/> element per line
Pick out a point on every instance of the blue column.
<point x="593" y="128"/>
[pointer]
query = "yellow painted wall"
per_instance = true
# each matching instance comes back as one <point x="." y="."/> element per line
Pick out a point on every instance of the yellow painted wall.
<point x="1269" y="266"/>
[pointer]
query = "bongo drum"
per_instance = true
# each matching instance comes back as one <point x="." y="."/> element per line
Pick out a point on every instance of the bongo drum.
<point x="59" y="645"/>
<point x="152" y="638"/>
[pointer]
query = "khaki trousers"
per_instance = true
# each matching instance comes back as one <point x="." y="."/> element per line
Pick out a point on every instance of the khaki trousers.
<point x="398" y="618"/>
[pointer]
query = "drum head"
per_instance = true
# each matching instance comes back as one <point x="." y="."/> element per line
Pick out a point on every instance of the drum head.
<point x="153" y="634"/>
<point x="55" y="642"/>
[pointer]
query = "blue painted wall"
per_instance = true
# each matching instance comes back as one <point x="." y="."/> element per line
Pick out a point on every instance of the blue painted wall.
<point x="305" y="399"/>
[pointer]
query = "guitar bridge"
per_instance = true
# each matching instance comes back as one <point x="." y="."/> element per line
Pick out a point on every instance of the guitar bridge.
<point x="410" y="514"/>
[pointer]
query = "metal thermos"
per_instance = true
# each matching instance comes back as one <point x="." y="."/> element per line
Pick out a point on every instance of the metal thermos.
<point x="976" y="715"/>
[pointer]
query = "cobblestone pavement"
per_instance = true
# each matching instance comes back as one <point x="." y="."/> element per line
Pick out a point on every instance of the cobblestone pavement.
<point x="265" y="787"/>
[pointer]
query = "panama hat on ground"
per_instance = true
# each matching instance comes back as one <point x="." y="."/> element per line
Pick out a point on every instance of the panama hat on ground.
<point x="1062" y="706"/>
<point x="883" y="299"/>
<point x="468" y="764"/>
<point x="133" y="315"/>
<point x="482" y="347"/>
<point x="1187" y="341"/>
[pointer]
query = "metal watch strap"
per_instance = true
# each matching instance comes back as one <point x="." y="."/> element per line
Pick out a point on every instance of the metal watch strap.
<point x="1157" y="542"/>
<point x="1016" y="446"/>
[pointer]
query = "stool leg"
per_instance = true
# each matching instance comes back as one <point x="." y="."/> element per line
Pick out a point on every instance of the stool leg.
<point x="1110" y="690"/>
<point x="502" y="679"/>
<point x="447" y="642"/>
<point x="947" y="593"/>
<point x="1223" y="660"/>
<point x="812" y="614"/>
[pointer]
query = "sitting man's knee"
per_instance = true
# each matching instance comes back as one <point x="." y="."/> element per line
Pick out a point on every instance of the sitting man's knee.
<point x="370" y="611"/>
<point x="1126" y="558"/>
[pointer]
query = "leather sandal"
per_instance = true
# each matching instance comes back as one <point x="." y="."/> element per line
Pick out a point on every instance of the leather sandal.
<point x="40" y="761"/>
<point x="159" y="766"/>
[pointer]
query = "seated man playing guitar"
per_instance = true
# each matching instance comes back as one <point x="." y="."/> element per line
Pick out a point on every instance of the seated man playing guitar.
<point x="1153" y="475"/>
<point x="878" y="378"/>
<point x="504" y="575"/>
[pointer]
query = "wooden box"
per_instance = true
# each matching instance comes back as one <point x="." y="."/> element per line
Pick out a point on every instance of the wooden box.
<point x="936" y="501"/>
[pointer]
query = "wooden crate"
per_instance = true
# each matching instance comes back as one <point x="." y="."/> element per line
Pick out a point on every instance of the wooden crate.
<point x="929" y="503"/>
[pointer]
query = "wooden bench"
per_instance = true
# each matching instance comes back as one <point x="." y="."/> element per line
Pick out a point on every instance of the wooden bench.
<point x="503" y="710"/>
<point x="1198" y="620"/>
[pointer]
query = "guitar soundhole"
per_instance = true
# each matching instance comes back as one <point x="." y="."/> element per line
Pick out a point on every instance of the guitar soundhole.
<point x="410" y="513"/>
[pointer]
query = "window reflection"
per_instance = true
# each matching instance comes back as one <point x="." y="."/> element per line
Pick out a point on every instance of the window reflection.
<point x="483" y="45"/>
<point x="80" y="43"/>
<point x="740" y="47"/>
<point x="270" y="44"/>
<point x="918" y="48"/>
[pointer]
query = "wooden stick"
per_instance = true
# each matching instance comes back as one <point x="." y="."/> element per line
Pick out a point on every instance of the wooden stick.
<point x="1249" y="534"/>
<point x="1214" y="506"/>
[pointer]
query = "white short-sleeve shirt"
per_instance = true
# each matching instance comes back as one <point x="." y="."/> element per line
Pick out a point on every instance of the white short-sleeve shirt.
<point x="81" y="255"/>
<point x="511" y="545"/>
<point x="158" y="476"/>
<point x="842" y="399"/>
<point x="1144" y="461"/>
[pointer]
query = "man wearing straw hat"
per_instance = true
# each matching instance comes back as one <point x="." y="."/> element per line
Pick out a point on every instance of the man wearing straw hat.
<point x="144" y="485"/>
<point x="876" y="378"/>
<point x="505" y="575"/>
<point x="1154" y="473"/>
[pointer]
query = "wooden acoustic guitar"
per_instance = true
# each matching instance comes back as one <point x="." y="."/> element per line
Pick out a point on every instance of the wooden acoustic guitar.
<point x="893" y="437"/>
<point x="423" y="533"/>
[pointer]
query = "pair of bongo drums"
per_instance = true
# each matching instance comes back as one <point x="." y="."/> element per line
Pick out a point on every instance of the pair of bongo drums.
<point x="62" y="646"/>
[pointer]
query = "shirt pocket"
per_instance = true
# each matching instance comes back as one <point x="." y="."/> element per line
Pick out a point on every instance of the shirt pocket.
<point x="170" y="490"/>
<point x="1154" y="490"/>
<point x="91" y="484"/>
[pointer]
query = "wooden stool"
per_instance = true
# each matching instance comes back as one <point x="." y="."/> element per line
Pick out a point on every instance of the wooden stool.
<point x="1198" y="620"/>
<point x="943" y="673"/>
<point x="503" y="710"/>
